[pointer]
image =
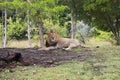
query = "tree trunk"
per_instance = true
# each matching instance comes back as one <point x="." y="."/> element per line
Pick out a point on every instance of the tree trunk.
<point x="29" y="1"/>
<point x="117" y="37"/>
<point x="118" y="41"/>
<point x="114" y="28"/>
<point x="4" y="27"/>
<point x="117" y="30"/>
<point x="40" y="25"/>
<point x="28" y="22"/>
<point x="3" y="23"/>
<point x="73" y="25"/>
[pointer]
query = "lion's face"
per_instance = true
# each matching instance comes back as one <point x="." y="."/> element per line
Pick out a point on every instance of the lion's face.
<point x="53" y="36"/>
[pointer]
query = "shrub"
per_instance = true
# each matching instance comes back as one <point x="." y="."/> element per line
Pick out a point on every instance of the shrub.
<point x="60" y="29"/>
<point x="0" y="31"/>
<point x="102" y="35"/>
<point x="16" y="30"/>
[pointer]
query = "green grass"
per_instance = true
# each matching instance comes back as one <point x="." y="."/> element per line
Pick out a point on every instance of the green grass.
<point x="103" y="64"/>
<point x="106" y="63"/>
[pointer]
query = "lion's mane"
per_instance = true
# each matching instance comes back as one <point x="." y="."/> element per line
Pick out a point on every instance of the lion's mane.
<point x="49" y="42"/>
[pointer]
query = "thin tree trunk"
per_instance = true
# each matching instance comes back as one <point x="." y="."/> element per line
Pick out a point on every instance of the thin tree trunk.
<point x="4" y="23"/>
<point x="5" y="41"/>
<point x="117" y="29"/>
<point x="73" y="25"/>
<point x="40" y="25"/>
<point x="29" y="1"/>
<point x="28" y="22"/>
<point x="114" y="29"/>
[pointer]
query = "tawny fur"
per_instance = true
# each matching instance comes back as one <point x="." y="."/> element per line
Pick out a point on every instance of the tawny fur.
<point x="54" y="41"/>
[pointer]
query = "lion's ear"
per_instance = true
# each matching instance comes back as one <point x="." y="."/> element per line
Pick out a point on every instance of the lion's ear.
<point x="49" y="31"/>
<point x="56" y="32"/>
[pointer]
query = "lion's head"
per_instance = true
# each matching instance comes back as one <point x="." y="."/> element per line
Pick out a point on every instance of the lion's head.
<point x="52" y="38"/>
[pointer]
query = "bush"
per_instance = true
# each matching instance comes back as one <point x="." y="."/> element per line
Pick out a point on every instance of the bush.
<point x="102" y="35"/>
<point x="60" y="29"/>
<point x="0" y="31"/>
<point x="16" y="30"/>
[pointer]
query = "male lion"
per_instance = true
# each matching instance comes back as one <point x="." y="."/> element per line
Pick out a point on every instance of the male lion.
<point x="52" y="38"/>
<point x="54" y="41"/>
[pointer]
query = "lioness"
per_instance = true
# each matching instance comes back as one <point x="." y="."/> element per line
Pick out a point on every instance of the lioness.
<point x="54" y="41"/>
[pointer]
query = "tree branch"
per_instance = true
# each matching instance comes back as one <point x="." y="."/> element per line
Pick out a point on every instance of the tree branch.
<point x="29" y="1"/>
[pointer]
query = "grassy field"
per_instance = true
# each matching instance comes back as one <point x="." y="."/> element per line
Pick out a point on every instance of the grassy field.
<point x="21" y="43"/>
<point x="103" y="64"/>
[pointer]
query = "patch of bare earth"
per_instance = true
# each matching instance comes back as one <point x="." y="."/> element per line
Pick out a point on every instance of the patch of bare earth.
<point x="32" y="56"/>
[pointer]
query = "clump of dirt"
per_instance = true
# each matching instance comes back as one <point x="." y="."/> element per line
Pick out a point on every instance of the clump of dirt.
<point x="33" y="56"/>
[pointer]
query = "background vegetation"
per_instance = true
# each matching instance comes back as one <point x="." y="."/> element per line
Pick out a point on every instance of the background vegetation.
<point x="20" y="19"/>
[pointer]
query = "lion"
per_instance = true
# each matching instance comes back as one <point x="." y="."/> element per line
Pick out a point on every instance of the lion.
<point x="55" y="41"/>
<point x="52" y="38"/>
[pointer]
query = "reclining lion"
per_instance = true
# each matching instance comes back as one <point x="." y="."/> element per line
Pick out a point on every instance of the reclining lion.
<point x="54" y="41"/>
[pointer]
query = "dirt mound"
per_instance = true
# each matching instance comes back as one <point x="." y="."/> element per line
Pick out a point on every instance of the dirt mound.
<point x="33" y="56"/>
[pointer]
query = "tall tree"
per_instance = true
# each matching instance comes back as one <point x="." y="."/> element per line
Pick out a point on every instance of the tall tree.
<point x="40" y="25"/>
<point x="44" y="9"/>
<point x="28" y="23"/>
<point x="4" y="6"/>
<point x="29" y="30"/>
<point x="37" y="14"/>
<point x="4" y="24"/>
<point x="106" y="14"/>
<point x="77" y="12"/>
<point x="72" y="6"/>
<point x="73" y="19"/>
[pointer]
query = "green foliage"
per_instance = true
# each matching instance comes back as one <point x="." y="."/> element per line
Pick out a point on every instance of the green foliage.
<point x="50" y="25"/>
<point x="0" y="31"/>
<point x="99" y="10"/>
<point x="56" y="14"/>
<point x="59" y="9"/>
<point x="16" y="30"/>
<point x="102" y="35"/>
<point x="105" y="15"/>
<point x="93" y="5"/>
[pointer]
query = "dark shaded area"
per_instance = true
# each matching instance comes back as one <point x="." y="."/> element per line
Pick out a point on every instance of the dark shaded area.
<point x="32" y="56"/>
<point x="48" y="45"/>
